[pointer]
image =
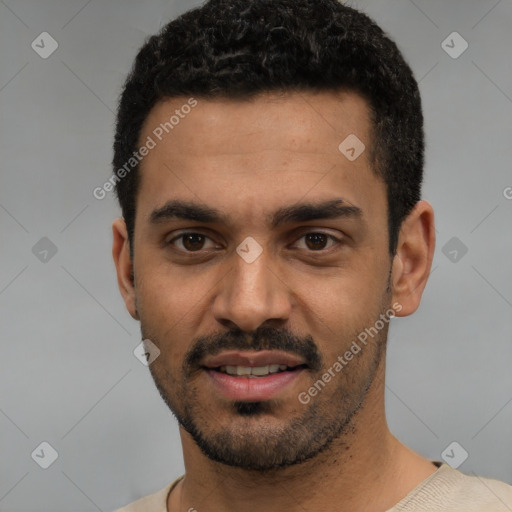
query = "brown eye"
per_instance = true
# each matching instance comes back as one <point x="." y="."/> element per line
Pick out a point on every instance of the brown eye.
<point x="192" y="242"/>
<point x="316" y="241"/>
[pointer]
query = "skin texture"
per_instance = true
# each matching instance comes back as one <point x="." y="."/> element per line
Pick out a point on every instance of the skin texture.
<point x="248" y="159"/>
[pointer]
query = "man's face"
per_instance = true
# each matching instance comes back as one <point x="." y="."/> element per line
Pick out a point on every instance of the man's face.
<point x="231" y="179"/>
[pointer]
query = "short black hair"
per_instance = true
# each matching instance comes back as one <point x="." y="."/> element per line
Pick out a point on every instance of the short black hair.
<point x="241" y="48"/>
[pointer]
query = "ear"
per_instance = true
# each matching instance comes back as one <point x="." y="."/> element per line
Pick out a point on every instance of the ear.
<point x="124" y="267"/>
<point x="413" y="258"/>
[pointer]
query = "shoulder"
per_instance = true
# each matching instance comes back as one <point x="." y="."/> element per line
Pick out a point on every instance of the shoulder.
<point x="156" y="502"/>
<point x="451" y="490"/>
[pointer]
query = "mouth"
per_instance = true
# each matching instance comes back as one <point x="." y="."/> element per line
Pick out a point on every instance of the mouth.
<point x="257" y="371"/>
<point x="257" y="376"/>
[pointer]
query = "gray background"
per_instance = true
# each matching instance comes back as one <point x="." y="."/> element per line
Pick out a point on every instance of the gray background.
<point x="68" y="374"/>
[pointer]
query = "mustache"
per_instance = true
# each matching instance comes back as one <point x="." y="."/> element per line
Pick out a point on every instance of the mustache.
<point x="263" y="338"/>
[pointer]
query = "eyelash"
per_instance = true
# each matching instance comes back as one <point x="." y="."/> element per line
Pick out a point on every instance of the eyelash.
<point x="181" y="236"/>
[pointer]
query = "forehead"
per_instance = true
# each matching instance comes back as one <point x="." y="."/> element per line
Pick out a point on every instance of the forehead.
<point x="249" y="157"/>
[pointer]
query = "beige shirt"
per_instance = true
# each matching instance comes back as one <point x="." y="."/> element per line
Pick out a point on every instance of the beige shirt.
<point x="445" y="490"/>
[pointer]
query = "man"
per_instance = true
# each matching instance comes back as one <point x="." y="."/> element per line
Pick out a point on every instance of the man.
<point x="268" y="160"/>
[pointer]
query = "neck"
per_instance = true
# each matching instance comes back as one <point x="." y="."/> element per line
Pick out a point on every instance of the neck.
<point x="365" y="469"/>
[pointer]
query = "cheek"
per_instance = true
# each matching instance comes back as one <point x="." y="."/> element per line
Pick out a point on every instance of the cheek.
<point x="165" y="293"/>
<point x="169" y="310"/>
<point x="351" y="286"/>
<point x="335" y="308"/>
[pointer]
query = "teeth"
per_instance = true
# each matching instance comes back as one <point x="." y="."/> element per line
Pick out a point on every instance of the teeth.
<point x="242" y="370"/>
<point x="253" y="370"/>
<point x="259" y="370"/>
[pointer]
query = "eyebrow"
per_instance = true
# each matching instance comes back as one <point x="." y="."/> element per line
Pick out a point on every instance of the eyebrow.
<point x="177" y="209"/>
<point x="301" y="212"/>
<point x="304" y="212"/>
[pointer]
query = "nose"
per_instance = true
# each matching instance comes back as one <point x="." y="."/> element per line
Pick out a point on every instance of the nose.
<point x="252" y="294"/>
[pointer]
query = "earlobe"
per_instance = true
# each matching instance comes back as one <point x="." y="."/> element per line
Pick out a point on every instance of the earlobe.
<point x="413" y="258"/>
<point x="124" y="267"/>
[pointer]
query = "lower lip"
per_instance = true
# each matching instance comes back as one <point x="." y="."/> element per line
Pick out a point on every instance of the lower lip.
<point x="252" y="389"/>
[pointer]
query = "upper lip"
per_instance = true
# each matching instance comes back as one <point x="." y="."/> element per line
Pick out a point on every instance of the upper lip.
<point x="252" y="359"/>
